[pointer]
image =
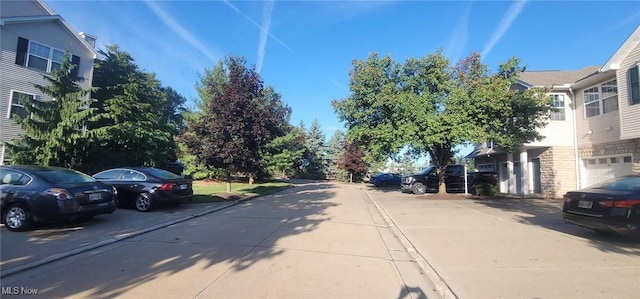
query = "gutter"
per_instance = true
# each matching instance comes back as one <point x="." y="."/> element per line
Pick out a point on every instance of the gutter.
<point x="575" y="138"/>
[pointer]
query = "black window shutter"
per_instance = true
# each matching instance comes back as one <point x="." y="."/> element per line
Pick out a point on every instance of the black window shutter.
<point x="75" y="61"/>
<point x="21" y="52"/>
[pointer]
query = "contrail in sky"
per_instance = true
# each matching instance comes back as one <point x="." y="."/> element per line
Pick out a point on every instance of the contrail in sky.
<point x="258" y="25"/>
<point x="264" y="32"/>
<point x="180" y="31"/>
<point x="514" y="10"/>
<point x="460" y="35"/>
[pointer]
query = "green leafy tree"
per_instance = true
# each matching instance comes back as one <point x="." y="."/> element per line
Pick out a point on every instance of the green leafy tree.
<point x="55" y="130"/>
<point x="240" y="120"/>
<point x="352" y="161"/>
<point x="431" y="107"/>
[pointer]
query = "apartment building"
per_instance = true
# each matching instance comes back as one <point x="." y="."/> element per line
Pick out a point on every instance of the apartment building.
<point x="593" y="133"/>
<point x="33" y="41"/>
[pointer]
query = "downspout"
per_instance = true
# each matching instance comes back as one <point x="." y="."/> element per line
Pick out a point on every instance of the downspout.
<point x="575" y="138"/>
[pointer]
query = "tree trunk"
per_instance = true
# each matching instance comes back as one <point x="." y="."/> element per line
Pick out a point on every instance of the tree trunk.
<point x="228" y="182"/>
<point x="442" y="188"/>
<point x="350" y="177"/>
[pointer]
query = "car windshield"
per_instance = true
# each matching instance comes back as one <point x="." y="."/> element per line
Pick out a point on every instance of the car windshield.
<point x="59" y="176"/>
<point x="627" y="183"/>
<point x="162" y="174"/>
<point x="428" y="170"/>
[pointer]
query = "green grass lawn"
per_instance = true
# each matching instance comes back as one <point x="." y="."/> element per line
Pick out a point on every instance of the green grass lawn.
<point x="203" y="193"/>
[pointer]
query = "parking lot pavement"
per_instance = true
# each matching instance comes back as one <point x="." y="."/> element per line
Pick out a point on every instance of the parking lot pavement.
<point x="513" y="248"/>
<point x="316" y="240"/>
<point x="24" y="250"/>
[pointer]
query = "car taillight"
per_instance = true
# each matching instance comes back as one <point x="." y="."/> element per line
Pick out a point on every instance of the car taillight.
<point x="620" y="203"/>
<point x="566" y="198"/>
<point x="167" y="187"/>
<point x="58" y="193"/>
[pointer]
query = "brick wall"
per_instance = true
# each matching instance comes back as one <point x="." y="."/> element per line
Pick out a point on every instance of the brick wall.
<point x="557" y="170"/>
<point x="631" y="146"/>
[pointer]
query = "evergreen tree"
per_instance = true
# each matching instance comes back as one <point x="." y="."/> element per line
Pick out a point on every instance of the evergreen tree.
<point x="283" y="154"/>
<point x="137" y="118"/>
<point x="55" y="130"/>
<point x="334" y="150"/>
<point x="314" y="155"/>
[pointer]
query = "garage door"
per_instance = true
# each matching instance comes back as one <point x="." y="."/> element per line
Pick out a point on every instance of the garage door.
<point x="605" y="168"/>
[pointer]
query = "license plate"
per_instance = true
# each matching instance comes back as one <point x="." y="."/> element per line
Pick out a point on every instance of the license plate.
<point x="95" y="196"/>
<point x="183" y="187"/>
<point x="585" y="204"/>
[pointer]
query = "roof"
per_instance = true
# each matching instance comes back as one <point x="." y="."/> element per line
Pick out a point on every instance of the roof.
<point x="556" y="78"/>
<point x="614" y="62"/>
<point x="480" y="152"/>
<point x="50" y="17"/>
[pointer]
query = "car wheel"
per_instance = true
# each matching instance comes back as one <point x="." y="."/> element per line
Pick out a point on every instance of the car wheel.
<point x="17" y="218"/>
<point x="418" y="188"/>
<point x="144" y="202"/>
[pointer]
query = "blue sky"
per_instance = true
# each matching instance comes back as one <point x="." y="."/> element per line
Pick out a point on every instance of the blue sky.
<point x="304" y="49"/>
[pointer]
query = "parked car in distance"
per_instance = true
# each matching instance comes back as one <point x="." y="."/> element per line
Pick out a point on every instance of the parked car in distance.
<point x="386" y="179"/>
<point x="36" y="194"/>
<point x="454" y="179"/>
<point x="147" y="187"/>
<point x="610" y="206"/>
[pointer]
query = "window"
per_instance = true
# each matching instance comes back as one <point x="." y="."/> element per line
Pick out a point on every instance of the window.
<point x="558" y="112"/>
<point x="609" y="96"/>
<point x="16" y="108"/>
<point x="591" y="103"/>
<point x="41" y="57"/>
<point x="634" y="87"/>
<point x="601" y="99"/>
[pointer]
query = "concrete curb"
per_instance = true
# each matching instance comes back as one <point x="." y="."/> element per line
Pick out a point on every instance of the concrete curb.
<point x="113" y="239"/>
<point x="20" y="268"/>
<point x="443" y="289"/>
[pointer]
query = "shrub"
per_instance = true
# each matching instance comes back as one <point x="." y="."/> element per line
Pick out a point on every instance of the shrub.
<point x="485" y="189"/>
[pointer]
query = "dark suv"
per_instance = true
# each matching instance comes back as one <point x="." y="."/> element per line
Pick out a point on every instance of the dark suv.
<point x="427" y="180"/>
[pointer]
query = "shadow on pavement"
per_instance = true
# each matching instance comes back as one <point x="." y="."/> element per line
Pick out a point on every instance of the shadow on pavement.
<point x="547" y="213"/>
<point x="234" y="238"/>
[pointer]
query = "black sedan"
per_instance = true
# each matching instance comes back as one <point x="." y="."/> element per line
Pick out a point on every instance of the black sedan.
<point x="147" y="187"/>
<point x="31" y="194"/>
<point x="611" y="206"/>
<point x="386" y="179"/>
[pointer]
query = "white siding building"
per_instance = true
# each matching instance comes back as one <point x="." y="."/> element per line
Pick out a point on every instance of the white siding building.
<point x="33" y="41"/>
<point x="593" y="134"/>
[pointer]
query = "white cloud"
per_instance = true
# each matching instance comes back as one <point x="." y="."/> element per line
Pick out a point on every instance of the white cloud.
<point x="264" y="32"/>
<point x="181" y="31"/>
<point x="514" y="10"/>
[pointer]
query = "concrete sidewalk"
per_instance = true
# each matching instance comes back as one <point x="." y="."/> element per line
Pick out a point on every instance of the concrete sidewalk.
<point x="318" y="240"/>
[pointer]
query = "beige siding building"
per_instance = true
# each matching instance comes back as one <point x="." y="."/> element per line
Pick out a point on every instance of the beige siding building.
<point x="592" y="135"/>
<point x="33" y="42"/>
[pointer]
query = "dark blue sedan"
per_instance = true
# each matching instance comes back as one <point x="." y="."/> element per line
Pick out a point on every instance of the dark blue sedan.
<point x="386" y="179"/>
<point x="31" y="194"/>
